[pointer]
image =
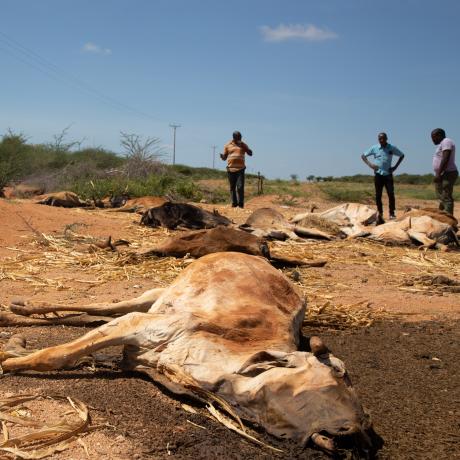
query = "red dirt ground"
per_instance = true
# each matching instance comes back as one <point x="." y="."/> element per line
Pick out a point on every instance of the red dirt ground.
<point x="405" y="368"/>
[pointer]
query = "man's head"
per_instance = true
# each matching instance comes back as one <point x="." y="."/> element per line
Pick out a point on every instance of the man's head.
<point x="437" y="135"/>
<point x="237" y="136"/>
<point x="383" y="138"/>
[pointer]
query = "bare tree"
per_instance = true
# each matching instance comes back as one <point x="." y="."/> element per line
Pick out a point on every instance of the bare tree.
<point x="143" y="155"/>
<point x="59" y="144"/>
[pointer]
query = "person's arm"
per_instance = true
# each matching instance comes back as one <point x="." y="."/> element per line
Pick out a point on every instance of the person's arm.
<point x="399" y="154"/>
<point x="224" y="155"/>
<point x="248" y="150"/>
<point x="365" y="156"/>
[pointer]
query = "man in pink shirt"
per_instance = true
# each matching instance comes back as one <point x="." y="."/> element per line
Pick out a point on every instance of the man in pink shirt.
<point x="445" y="170"/>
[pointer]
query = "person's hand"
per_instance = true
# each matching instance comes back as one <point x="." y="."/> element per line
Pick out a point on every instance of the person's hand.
<point x="392" y="169"/>
<point x="374" y="167"/>
<point x="222" y="156"/>
<point x="437" y="179"/>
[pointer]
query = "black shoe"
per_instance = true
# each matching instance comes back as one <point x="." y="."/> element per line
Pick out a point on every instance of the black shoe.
<point x="392" y="217"/>
<point x="379" y="220"/>
<point x="234" y="205"/>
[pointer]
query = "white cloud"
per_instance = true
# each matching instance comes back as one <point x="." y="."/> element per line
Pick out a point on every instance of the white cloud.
<point x="90" y="47"/>
<point x="307" y="32"/>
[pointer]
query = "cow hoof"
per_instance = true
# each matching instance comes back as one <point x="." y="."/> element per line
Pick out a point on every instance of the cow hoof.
<point x="4" y="319"/>
<point x="317" y="346"/>
<point x="20" y="309"/>
<point x="323" y="442"/>
<point x="16" y="342"/>
<point x="18" y="301"/>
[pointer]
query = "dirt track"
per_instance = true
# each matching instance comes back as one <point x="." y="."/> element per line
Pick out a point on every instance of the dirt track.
<point x="405" y="370"/>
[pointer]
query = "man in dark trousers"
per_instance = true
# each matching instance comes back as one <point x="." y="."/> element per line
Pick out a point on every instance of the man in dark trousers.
<point x="234" y="153"/>
<point x="445" y="169"/>
<point x="383" y="154"/>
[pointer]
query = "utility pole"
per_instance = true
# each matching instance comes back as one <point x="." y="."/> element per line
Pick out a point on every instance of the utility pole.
<point x="174" y="127"/>
<point x="214" y="156"/>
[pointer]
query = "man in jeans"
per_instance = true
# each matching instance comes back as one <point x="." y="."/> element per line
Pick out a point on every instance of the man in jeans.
<point x="234" y="153"/>
<point x="383" y="153"/>
<point x="445" y="170"/>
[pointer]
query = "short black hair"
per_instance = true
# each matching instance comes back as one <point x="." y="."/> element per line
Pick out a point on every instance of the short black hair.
<point x="383" y="134"/>
<point x="237" y="135"/>
<point x="438" y="132"/>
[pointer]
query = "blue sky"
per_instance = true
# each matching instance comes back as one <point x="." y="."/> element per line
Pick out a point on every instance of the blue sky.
<point x="308" y="83"/>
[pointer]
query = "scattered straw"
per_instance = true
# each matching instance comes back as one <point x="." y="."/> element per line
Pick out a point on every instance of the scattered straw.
<point x="47" y="438"/>
<point x="331" y="316"/>
<point x="231" y="426"/>
<point x="64" y="262"/>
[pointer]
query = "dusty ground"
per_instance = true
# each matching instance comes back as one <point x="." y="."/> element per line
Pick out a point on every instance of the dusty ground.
<point x="404" y="367"/>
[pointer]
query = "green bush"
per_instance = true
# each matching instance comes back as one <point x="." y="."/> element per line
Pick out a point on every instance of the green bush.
<point x="13" y="158"/>
<point x="154" y="185"/>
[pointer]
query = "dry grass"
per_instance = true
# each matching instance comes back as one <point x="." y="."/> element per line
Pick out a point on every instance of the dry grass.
<point x="30" y="433"/>
<point x="71" y="253"/>
<point x="325" y="308"/>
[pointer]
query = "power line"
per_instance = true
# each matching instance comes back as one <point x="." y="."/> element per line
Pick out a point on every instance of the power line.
<point x="45" y="66"/>
<point x="38" y="62"/>
<point x="174" y="127"/>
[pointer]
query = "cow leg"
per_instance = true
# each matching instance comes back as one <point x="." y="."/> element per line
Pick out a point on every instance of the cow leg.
<point x="138" y="304"/>
<point x="421" y="238"/>
<point x="8" y="319"/>
<point x="121" y="331"/>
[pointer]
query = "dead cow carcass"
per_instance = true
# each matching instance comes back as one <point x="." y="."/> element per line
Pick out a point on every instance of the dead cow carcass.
<point x="269" y="223"/>
<point x="64" y="200"/>
<point x="141" y="204"/>
<point x="224" y="239"/>
<point x="423" y="229"/>
<point x="427" y="227"/>
<point x="174" y="215"/>
<point x="228" y="326"/>
<point x="346" y="219"/>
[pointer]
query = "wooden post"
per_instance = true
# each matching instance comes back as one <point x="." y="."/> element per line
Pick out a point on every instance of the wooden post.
<point x="260" y="184"/>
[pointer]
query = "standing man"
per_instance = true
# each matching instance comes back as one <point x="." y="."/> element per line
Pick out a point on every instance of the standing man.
<point x="445" y="170"/>
<point x="383" y="153"/>
<point x="234" y="153"/>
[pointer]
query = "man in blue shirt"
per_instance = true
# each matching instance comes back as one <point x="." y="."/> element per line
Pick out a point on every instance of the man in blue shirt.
<point x="383" y="153"/>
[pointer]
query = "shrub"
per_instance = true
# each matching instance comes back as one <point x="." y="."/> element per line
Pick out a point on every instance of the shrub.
<point x="13" y="158"/>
